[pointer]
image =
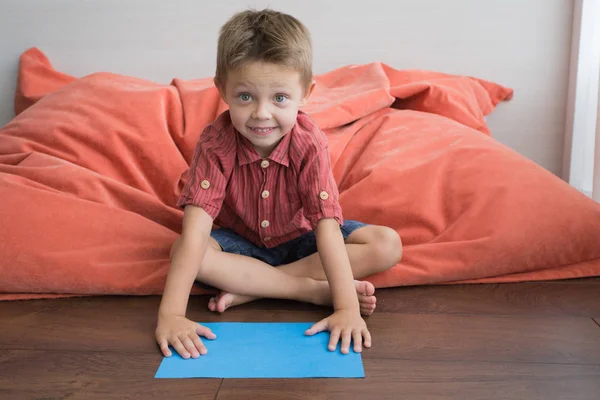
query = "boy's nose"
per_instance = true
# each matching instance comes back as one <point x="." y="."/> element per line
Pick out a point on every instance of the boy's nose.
<point x="261" y="112"/>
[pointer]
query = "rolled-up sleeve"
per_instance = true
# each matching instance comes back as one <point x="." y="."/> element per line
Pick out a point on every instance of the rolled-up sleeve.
<point x="318" y="190"/>
<point x="207" y="179"/>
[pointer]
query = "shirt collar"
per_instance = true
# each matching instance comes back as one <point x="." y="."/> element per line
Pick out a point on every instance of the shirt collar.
<point x="247" y="153"/>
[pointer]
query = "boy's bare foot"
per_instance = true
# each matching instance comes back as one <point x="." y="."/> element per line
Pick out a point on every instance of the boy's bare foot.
<point x="365" y="291"/>
<point x="225" y="300"/>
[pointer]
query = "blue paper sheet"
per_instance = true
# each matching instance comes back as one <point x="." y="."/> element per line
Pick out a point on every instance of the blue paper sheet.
<point x="264" y="350"/>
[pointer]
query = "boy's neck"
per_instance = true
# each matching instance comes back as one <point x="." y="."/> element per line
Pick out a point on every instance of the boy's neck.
<point x="265" y="153"/>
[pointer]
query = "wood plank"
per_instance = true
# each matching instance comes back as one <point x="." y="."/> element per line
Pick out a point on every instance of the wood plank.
<point x="485" y="338"/>
<point x="93" y="323"/>
<point x="403" y="379"/>
<point x="127" y="324"/>
<point x="17" y="309"/>
<point x="109" y="323"/>
<point x="574" y="298"/>
<point x="577" y="297"/>
<point x="26" y="374"/>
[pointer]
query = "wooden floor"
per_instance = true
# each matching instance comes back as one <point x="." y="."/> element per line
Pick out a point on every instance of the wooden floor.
<point x="509" y="341"/>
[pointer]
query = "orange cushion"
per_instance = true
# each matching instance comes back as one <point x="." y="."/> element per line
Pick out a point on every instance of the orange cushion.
<point x="90" y="172"/>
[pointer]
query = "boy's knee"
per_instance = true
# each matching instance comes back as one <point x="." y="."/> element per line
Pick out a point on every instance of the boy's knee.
<point x="387" y="247"/>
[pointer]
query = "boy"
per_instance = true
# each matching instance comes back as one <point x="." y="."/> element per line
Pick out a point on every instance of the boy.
<point x="262" y="171"/>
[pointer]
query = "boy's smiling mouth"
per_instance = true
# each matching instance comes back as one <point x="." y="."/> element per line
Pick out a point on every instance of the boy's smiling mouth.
<point x="262" y="130"/>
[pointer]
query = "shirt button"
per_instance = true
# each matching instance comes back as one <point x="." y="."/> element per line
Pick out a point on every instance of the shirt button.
<point x="324" y="195"/>
<point x="265" y="194"/>
<point x="267" y="239"/>
<point x="205" y="184"/>
<point x="264" y="163"/>
<point x="265" y="224"/>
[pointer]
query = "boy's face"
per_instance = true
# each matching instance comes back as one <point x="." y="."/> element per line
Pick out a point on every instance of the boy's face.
<point x="263" y="101"/>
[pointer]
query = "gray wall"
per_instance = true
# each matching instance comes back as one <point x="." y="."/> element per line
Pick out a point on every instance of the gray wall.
<point x="523" y="44"/>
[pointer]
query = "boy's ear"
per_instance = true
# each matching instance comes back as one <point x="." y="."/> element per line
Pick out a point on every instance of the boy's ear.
<point x="220" y="89"/>
<point x="308" y="93"/>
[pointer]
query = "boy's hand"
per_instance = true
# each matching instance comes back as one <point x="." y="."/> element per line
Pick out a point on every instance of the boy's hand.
<point x="182" y="334"/>
<point x="347" y="324"/>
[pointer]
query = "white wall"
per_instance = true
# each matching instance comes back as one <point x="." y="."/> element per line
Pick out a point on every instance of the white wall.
<point x="523" y="44"/>
<point x="580" y="131"/>
<point x="596" y="182"/>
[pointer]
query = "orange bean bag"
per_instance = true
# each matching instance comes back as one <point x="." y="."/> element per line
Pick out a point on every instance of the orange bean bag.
<point x="90" y="170"/>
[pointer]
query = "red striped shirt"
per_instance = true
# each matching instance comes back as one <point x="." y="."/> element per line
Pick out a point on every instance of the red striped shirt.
<point x="268" y="201"/>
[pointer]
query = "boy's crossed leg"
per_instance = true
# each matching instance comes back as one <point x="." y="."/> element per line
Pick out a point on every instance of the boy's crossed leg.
<point x="371" y="249"/>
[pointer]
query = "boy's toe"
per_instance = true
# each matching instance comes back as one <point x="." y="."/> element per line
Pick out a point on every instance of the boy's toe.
<point x="212" y="304"/>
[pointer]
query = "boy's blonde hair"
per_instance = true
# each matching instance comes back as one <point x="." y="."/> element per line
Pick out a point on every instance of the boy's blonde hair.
<point x="268" y="36"/>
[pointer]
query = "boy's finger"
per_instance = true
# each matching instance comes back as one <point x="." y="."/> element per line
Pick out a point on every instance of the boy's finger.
<point x="334" y="339"/>
<point x="316" y="328"/>
<point x="164" y="347"/>
<point x="205" y="331"/>
<point x="198" y="344"/>
<point x="367" y="336"/>
<point x="189" y="346"/>
<point x="357" y="338"/>
<point x="346" y="339"/>
<point x="176" y="343"/>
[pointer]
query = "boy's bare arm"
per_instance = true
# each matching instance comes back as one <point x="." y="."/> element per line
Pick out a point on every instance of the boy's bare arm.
<point x="345" y="323"/>
<point x="186" y="260"/>
<point x="334" y="258"/>
<point x="173" y="327"/>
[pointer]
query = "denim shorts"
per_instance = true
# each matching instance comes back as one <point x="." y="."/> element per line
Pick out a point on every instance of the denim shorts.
<point x="284" y="253"/>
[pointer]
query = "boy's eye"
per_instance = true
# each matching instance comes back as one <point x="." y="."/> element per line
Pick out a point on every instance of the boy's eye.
<point x="280" y="98"/>
<point x="245" y="97"/>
